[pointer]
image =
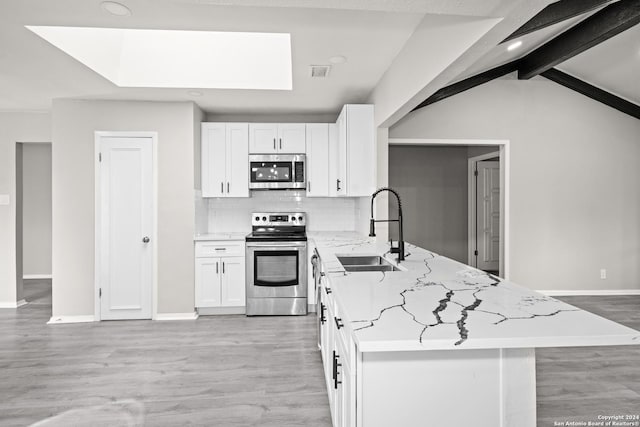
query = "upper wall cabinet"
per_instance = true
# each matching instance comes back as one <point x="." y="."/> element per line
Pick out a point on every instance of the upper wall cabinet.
<point x="356" y="152"/>
<point x="319" y="139"/>
<point x="225" y="165"/>
<point x="276" y="138"/>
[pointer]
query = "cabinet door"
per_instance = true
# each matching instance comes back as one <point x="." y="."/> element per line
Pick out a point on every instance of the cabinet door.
<point x="361" y="147"/>
<point x="213" y="159"/>
<point x="237" y="184"/>
<point x="317" y="160"/>
<point x="263" y="138"/>
<point x="341" y="184"/>
<point x="291" y="138"/>
<point x="207" y="282"/>
<point x="233" y="282"/>
<point x="333" y="159"/>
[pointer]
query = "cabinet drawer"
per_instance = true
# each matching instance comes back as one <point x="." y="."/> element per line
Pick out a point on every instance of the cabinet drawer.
<point x="221" y="248"/>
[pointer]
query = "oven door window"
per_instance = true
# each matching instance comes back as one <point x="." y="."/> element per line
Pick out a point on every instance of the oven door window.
<point x="271" y="172"/>
<point x="276" y="268"/>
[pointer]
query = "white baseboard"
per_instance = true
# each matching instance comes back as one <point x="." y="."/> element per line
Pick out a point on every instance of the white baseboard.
<point x="37" y="276"/>
<point x="212" y="311"/>
<point x="11" y="304"/>
<point x="70" y="319"/>
<point x="590" y="292"/>
<point x="176" y="316"/>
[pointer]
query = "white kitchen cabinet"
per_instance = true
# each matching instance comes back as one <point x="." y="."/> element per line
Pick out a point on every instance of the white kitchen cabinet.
<point x="219" y="274"/>
<point x="225" y="164"/>
<point x="207" y="279"/>
<point x="356" y="151"/>
<point x="318" y="159"/>
<point x="277" y="138"/>
<point x="232" y="283"/>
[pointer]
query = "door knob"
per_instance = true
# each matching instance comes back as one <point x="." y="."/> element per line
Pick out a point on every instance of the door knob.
<point x="145" y="239"/>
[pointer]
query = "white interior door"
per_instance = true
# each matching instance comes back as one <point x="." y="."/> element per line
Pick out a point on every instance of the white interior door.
<point x="488" y="215"/>
<point x="126" y="223"/>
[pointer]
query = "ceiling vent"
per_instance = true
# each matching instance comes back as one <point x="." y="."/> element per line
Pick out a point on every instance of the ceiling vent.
<point x="320" y="71"/>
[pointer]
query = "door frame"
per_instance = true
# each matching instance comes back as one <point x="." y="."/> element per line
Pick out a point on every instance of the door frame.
<point x="98" y="135"/>
<point x="472" y="163"/>
<point x="505" y="173"/>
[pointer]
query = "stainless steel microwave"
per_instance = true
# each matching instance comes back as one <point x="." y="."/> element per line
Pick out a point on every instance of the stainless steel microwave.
<point x="277" y="171"/>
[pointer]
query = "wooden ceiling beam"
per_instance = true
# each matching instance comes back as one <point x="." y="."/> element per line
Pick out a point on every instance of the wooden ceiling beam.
<point x="595" y="29"/>
<point x="555" y="13"/>
<point x="593" y="92"/>
<point x="469" y="83"/>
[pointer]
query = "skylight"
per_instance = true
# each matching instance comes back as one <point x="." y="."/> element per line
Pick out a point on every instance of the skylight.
<point x="178" y="59"/>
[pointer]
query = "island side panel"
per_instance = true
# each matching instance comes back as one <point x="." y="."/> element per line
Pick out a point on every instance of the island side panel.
<point x="447" y="388"/>
<point x="518" y="386"/>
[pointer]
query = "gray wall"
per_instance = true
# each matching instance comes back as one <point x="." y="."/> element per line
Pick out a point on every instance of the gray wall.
<point x="575" y="169"/>
<point x="36" y="209"/>
<point x="74" y="124"/>
<point x="14" y="128"/>
<point x="432" y="182"/>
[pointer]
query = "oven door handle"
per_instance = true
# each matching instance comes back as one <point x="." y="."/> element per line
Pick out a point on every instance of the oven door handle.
<point x="263" y="245"/>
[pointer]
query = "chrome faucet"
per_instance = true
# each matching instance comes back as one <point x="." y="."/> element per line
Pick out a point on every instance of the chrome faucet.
<point x="372" y="226"/>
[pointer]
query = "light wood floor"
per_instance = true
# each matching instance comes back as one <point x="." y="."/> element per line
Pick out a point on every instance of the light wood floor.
<point x="238" y="371"/>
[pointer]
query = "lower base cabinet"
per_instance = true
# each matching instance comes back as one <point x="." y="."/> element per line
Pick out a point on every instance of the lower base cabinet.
<point x="219" y="280"/>
<point x="338" y="356"/>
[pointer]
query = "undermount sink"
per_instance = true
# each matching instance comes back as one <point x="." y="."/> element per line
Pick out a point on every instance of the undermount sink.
<point x="365" y="263"/>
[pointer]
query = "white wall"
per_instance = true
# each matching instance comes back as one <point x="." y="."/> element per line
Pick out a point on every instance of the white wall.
<point x="36" y="209"/>
<point x="273" y="118"/>
<point x="323" y="214"/>
<point x="575" y="169"/>
<point x="14" y="128"/>
<point x="74" y="124"/>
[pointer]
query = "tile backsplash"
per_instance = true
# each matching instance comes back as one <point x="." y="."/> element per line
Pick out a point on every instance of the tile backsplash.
<point x="323" y="214"/>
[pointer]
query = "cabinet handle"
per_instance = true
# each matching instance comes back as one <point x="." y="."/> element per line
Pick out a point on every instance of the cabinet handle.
<point x="281" y="143"/>
<point x="338" y="320"/>
<point x="337" y="185"/>
<point x="227" y="187"/>
<point x="222" y="267"/>
<point x="216" y="267"/>
<point x="221" y="249"/>
<point x="322" y="309"/>
<point x="309" y="186"/>
<point x="336" y="365"/>
<point x="327" y="290"/>
<point x="274" y="143"/>
<point x="222" y="187"/>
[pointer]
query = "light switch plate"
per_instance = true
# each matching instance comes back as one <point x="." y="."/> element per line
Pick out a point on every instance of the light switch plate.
<point x="4" y="199"/>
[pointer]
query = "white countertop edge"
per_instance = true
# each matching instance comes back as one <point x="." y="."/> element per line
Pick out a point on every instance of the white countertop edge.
<point x="497" y="343"/>
<point x="235" y="235"/>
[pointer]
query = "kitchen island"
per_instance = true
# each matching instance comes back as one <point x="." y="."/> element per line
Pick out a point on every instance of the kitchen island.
<point x="438" y="342"/>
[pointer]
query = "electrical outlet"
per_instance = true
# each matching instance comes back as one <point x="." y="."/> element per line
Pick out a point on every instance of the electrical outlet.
<point x="603" y="273"/>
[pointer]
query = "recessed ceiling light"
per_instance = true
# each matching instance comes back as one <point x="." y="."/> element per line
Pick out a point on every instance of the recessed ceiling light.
<point x="178" y="59"/>
<point x="194" y="93"/>
<point x="514" y="45"/>
<point x="114" y="8"/>
<point x="338" y="59"/>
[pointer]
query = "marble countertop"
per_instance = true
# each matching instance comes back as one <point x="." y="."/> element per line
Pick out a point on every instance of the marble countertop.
<point x="440" y="304"/>
<point x="234" y="235"/>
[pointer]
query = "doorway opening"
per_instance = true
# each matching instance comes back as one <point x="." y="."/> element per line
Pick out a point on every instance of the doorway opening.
<point x="439" y="195"/>
<point x="33" y="226"/>
<point x="484" y="212"/>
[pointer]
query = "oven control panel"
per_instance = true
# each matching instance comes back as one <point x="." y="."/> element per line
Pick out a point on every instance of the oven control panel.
<point x="278" y="218"/>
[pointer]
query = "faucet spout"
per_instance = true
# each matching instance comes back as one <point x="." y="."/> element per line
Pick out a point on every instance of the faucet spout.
<point x="372" y="225"/>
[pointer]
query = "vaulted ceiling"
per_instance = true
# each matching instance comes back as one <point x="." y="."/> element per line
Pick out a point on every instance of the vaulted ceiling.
<point x="370" y="34"/>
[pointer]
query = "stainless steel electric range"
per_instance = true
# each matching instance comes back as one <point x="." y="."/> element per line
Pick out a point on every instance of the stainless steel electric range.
<point x="276" y="260"/>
